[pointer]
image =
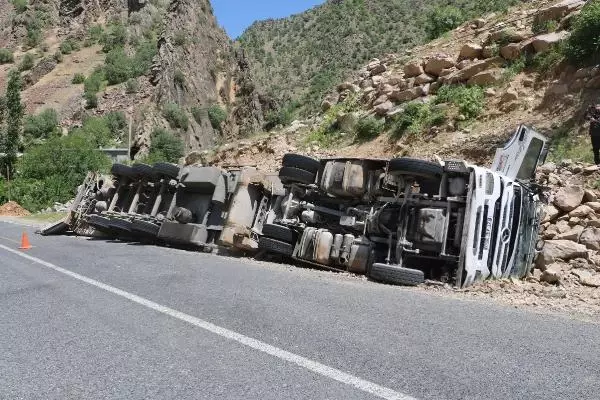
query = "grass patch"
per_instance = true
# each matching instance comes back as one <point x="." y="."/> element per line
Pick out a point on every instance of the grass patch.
<point x="469" y="100"/>
<point x="416" y="118"/>
<point x="565" y="145"/>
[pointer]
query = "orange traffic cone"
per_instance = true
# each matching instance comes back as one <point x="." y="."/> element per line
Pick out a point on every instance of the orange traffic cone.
<point x="25" y="245"/>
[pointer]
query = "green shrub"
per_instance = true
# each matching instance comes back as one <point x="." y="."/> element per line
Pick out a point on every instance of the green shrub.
<point x="142" y="59"/>
<point x="546" y="62"/>
<point x="416" y="118"/>
<point x="27" y="62"/>
<point x="95" y="33"/>
<point x="6" y="56"/>
<point x="78" y="79"/>
<point x="179" y="78"/>
<point x="50" y="172"/>
<point x="470" y="100"/>
<point x="58" y="56"/>
<point x="96" y="130"/>
<point x="513" y="69"/>
<point x="176" y="117"/>
<point x="132" y="85"/>
<point x="369" y="128"/>
<point x="93" y="83"/>
<point x="583" y="45"/>
<point x="41" y="126"/>
<point x="34" y="34"/>
<point x="440" y="20"/>
<point x="116" y="37"/>
<point x="91" y="99"/>
<point x="117" y="123"/>
<point x="540" y="27"/>
<point x="164" y="146"/>
<point x="283" y="116"/>
<point x="217" y="115"/>
<point x="117" y="66"/>
<point x="20" y="6"/>
<point x="68" y="46"/>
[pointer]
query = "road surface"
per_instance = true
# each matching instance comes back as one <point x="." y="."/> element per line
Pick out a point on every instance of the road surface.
<point x="90" y="319"/>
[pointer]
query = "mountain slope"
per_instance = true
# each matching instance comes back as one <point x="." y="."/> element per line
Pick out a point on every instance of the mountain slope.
<point x="299" y="57"/>
<point x="148" y="56"/>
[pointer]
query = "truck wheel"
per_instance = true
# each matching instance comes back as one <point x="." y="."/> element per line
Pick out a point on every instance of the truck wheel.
<point x="143" y="170"/>
<point x="123" y="170"/>
<point x="416" y="168"/>
<point x="296" y="175"/>
<point x="396" y="275"/>
<point x="166" y="169"/>
<point x="301" y="162"/>
<point x="120" y="225"/>
<point x="145" y="227"/>
<point x="275" y="246"/>
<point x="279" y="232"/>
<point x="98" y="222"/>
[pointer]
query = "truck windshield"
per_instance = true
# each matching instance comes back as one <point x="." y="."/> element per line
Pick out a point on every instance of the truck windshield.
<point x="527" y="170"/>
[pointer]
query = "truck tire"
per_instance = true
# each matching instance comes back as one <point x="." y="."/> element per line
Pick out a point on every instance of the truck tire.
<point x="123" y="170"/>
<point x="396" y="275"/>
<point x="416" y="168"/>
<point x="279" y="232"/>
<point x="166" y="169"/>
<point x="145" y="227"/>
<point x="275" y="246"/>
<point x="143" y="171"/>
<point x="301" y="162"/>
<point x="296" y="175"/>
<point x="99" y="222"/>
<point x="120" y="225"/>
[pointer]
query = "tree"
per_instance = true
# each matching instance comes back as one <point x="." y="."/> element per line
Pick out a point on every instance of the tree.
<point x="164" y="146"/>
<point x="14" y="117"/>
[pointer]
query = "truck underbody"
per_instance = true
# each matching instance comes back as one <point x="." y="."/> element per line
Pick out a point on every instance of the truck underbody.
<point x="398" y="221"/>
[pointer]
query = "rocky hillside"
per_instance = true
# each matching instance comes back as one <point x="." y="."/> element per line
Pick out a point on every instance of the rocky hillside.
<point x="461" y="95"/>
<point x="298" y="58"/>
<point x="163" y="63"/>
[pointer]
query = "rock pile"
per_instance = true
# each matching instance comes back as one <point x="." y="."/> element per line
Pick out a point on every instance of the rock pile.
<point x="571" y="226"/>
<point x="384" y="84"/>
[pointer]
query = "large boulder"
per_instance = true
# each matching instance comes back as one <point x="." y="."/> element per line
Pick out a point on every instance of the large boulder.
<point x="436" y="64"/>
<point x="553" y="273"/>
<point x="511" y="51"/>
<point x="551" y="213"/>
<point x="542" y="43"/>
<point x="569" y="197"/>
<point x="412" y="69"/>
<point x="590" y="238"/>
<point x="486" y="78"/>
<point x="423" y="79"/>
<point x="506" y="35"/>
<point x="473" y="69"/>
<point x="583" y="211"/>
<point x="470" y="51"/>
<point x="555" y="250"/>
<point x="384" y="108"/>
<point x="406" y="95"/>
<point x="557" y="11"/>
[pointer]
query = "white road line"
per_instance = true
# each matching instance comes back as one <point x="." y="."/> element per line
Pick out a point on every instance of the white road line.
<point x="314" y="366"/>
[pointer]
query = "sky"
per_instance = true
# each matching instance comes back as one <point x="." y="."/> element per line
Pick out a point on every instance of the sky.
<point x="236" y="15"/>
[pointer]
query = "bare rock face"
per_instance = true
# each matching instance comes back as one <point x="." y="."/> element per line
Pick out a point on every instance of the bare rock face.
<point x="215" y="75"/>
<point x="564" y="250"/>
<point x="384" y="108"/>
<point x="423" y="79"/>
<point x="569" y="198"/>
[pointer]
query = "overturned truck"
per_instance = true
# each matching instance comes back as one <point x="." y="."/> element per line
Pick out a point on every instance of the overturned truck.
<point x="398" y="221"/>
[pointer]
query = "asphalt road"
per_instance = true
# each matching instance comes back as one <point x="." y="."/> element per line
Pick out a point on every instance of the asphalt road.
<point x="88" y="319"/>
